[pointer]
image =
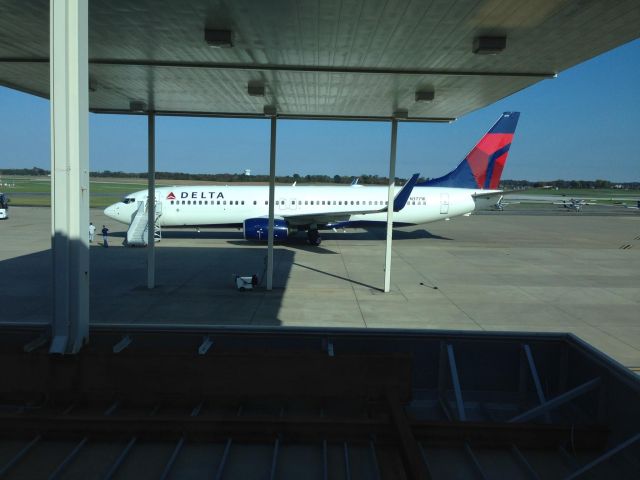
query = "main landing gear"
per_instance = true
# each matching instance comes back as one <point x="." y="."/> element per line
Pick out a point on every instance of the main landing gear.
<point x="313" y="237"/>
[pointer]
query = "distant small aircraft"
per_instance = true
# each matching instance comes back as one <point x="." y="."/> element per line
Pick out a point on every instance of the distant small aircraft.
<point x="632" y="207"/>
<point x="500" y="204"/>
<point x="574" y="204"/>
<point x="4" y="207"/>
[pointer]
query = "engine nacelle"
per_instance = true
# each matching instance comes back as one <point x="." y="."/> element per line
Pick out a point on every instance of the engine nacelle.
<point x="258" y="229"/>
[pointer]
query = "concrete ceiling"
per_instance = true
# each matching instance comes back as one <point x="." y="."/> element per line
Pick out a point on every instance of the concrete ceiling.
<point x="322" y="58"/>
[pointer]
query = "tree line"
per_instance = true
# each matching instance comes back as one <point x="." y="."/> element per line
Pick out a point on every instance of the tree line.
<point x="324" y="179"/>
<point x="599" y="183"/>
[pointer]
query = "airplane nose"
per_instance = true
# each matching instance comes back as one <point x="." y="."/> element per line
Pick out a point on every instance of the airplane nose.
<point x="112" y="211"/>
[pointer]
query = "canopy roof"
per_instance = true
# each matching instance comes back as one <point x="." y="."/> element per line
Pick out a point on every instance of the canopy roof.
<point x="329" y="58"/>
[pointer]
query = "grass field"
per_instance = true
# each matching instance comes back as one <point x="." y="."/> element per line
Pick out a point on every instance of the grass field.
<point x="604" y="196"/>
<point x="610" y="193"/>
<point x="36" y="191"/>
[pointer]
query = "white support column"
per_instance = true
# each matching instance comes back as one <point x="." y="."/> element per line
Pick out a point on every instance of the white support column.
<point x="272" y="195"/>
<point x="391" y="194"/>
<point x="69" y="87"/>
<point x="151" y="204"/>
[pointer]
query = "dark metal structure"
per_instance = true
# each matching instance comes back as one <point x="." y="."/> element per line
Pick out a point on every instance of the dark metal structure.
<point x="140" y="402"/>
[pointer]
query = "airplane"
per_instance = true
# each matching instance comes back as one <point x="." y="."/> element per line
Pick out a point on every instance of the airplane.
<point x="501" y="203"/>
<point x="574" y="204"/>
<point x="473" y="184"/>
<point x="4" y="207"/>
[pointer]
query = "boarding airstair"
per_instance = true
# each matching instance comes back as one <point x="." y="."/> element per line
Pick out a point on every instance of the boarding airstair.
<point x="137" y="235"/>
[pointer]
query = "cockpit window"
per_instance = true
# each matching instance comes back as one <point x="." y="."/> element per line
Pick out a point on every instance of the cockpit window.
<point x="128" y="200"/>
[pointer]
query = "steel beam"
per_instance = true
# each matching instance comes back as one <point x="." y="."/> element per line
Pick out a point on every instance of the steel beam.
<point x="223" y="460"/>
<point x="374" y="460"/>
<point x="257" y="428"/>
<point x="281" y="116"/>
<point x="475" y="461"/>
<point x="121" y="458"/>
<point x="172" y="459"/>
<point x="462" y="416"/>
<point x="534" y="373"/>
<point x="605" y="456"/>
<point x="274" y="459"/>
<point x="205" y="345"/>
<point x="36" y="343"/>
<point x="325" y="461"/>
<point x="123" y="455"/>
<point x="524" y="463"/>
<point x="18" y="456"/>
<point x="390" y="195"/>
<point x="227" y="449"/>
<point x="347" y="464"/>
<point x="68" y="459"/>
<point x="536" y="378"/>
<point x="557" y="401"/>
<point x="272" y="196"/>
<point x="425" y="460"/>
<point x="122" y="344"/>
<point x="409" y="447"/>
<point x="151" y="201"/>
<point x="69" y="80"/>
<point x="293" y="68"/>
<point x="178" y="448"/>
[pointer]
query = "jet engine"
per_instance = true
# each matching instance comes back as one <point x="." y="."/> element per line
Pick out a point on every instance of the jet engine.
<point x="258" y="229"/>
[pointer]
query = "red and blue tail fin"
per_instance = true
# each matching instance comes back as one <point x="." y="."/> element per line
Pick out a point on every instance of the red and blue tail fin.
<point x="482" y="167"/>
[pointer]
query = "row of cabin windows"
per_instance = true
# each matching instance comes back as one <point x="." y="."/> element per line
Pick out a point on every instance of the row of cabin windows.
<point x="206" y="202"/>
<point x="293" y="202"/>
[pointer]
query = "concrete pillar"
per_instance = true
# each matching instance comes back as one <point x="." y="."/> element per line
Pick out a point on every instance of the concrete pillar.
<point x="69" y="91"/>
<point x="391" y="194"/>
<point x="272" y="195"/>
<point x="151" y="204"/>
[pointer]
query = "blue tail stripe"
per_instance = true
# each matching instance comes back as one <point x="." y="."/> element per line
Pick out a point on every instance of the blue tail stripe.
<point x="461" y="177"/>
<point x="507" y="123"/>
<point x="492" y="163"/>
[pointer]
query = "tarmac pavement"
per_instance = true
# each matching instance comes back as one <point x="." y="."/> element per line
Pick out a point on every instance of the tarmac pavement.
<point x="499" y="272"/>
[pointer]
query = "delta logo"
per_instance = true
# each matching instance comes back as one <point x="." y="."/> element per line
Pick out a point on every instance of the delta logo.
<point x="196" y="195"/>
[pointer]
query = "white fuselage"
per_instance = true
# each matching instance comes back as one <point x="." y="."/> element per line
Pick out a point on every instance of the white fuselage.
<point x="231" y="205"/>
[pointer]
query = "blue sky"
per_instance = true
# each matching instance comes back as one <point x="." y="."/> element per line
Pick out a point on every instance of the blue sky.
<point x="583" y="125"/>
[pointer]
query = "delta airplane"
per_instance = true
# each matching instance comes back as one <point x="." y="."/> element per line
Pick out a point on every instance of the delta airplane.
<point x="474" y="184"/>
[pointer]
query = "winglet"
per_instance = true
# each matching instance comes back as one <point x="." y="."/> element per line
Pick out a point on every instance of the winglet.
<point x="403" y="195"/>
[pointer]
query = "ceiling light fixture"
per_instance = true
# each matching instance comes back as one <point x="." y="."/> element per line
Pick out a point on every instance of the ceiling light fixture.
<point x="218" y="38"/>
<point x="401" y="113"/>
<point x="425" y="95"/>
<point x="255" y="89"/>
<point x="489" y="45"/>
<point x="137" y="106"/>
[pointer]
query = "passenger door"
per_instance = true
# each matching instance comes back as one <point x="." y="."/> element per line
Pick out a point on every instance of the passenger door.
<point x="444" y="203"/>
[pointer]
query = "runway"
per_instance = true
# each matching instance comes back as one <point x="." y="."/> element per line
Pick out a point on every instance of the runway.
<point x="496" y="272"/>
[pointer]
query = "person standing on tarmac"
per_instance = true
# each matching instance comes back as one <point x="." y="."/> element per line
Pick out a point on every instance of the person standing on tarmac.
<point x="105" y="233"/>
<point x="92" y="232"/>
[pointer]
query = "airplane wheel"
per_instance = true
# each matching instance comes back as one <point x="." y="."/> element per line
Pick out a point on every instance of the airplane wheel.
<point x="314" y="237"/>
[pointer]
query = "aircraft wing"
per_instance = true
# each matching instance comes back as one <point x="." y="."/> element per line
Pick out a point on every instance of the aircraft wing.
<point x="399" y="202"/>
